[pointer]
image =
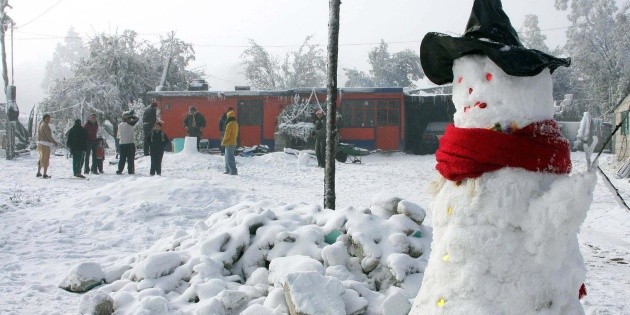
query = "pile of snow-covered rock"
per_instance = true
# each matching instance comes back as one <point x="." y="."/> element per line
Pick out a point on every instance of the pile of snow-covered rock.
<point x="265" y="258"/>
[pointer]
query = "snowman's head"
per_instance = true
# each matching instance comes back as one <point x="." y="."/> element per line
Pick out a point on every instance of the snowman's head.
<point x="486" y="97"/>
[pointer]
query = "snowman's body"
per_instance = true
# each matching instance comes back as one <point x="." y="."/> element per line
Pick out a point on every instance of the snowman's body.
<point x="505" y="242"/>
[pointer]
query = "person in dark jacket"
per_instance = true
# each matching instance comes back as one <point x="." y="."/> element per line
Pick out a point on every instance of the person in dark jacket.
<point x="77" y="143"/>
<point x="149" y="118"/>
<point x="222" y="123"/>
<point x="157" y="139"/>
<point x="194" y="123"/>
<point x="320" y="137"/>
<point x="91" y="126"/>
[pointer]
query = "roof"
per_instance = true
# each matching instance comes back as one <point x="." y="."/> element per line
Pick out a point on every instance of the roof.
<point x="291" y="92"/>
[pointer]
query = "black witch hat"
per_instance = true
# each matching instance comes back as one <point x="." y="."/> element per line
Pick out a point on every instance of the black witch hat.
<point x="489" y="32"/>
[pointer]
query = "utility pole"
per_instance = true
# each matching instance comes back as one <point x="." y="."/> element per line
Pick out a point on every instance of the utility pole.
<point x="331" y="104"/>
<point x="5" y="23"/>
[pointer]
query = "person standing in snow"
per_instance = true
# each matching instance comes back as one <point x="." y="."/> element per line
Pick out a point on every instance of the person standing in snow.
<point x="100" y="154"/>
<point x="91" y="126"/>
<point x="320" y="137"/>
<point x="156" y="140"/>
<point x="229" y="142"/>
<point x="45" y="141"/>
<point x="127" y="146"/>
<point x="222" y="123"/>
<point x="78" y="142"/>
<point x="149" y="118"/>
<point x="194" y="123"/>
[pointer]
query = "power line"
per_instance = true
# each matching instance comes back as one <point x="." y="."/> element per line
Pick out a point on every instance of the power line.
<point x="37" y="17"/>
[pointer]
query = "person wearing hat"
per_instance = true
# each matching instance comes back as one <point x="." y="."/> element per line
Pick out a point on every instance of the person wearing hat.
<point x="229" y="142"/>
<point x="222" y="123"/>
<point x="91" y="126"/>
<point x="149" y="118"/>
<point x="156" y="140"/>
<point x="45" y="141"/>
<point x="127" y="147"/>
<point x="320" y="137"/>
<point x="78" y="143"/>
<point x="194" y="122"/>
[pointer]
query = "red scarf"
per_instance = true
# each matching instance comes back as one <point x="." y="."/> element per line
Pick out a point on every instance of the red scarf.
<point x="470" y="152"/>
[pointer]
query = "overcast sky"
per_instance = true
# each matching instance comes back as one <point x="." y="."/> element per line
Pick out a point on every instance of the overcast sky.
<point x="219" y="30"/>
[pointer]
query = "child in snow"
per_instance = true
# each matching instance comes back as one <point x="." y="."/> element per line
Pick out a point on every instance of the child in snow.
<point x="157" y="139"/>
<point x="100" y="154"/>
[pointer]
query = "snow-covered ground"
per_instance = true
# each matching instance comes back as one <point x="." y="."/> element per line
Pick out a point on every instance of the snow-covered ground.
<point x="47" y="227"/>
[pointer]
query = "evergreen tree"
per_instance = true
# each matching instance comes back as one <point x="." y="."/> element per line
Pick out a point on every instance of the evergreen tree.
<point x="65" y="58"/>
<point x="597" y="43"/>
<point x="399" y="69"/>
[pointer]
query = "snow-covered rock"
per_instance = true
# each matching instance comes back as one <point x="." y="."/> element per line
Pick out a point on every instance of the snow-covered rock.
<point x="310" y="293"/>
<point x="281" y="267"/>
<point x="259" y="255"/>
<point x="156" y="265"/>
<point x="97" y="303"/>
<point x="83" y="277"/>
<point x="384" y="205"/>
<point x="412" y="210"/>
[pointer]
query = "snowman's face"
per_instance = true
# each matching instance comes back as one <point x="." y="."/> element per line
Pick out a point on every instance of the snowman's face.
<point x="486" y="97"/>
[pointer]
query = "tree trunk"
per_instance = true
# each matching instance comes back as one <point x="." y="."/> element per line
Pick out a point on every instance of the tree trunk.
<point x="331" y="104"/>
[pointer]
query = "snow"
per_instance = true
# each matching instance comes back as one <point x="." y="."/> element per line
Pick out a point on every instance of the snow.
<point x="121" y="222"/>
<point x="506" y="241"/>
<point x="190" y="145"/>
<point x="530" y="99"/>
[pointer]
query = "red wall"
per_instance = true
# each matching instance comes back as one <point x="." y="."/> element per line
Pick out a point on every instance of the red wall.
<point x="173" y="109"/>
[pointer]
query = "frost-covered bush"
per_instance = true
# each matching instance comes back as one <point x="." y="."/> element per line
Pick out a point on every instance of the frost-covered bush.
<point x="295" y="122"/>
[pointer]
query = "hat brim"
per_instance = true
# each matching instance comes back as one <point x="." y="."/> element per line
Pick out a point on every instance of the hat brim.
<point x="439" y="51"/>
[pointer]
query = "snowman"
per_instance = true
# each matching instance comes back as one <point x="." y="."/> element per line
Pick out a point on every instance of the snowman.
<point x="506" y="212"/>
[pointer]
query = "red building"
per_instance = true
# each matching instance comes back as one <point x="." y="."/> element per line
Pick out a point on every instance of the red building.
<point x="372" y="118"/>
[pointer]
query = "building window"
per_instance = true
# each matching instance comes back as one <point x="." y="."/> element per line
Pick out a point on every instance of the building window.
<point x="625" y="127"/>
<point x="388" y="113"/>
<point x="250" y="112"/>
<point x="370" y="113"/>
<point x="357" y="114"/>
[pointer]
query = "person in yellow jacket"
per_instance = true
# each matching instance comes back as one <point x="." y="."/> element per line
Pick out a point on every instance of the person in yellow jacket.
<point x="229" y="142"/>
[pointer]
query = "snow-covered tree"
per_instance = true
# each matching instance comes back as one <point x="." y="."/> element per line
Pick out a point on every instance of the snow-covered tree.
<point x="117" y="71"/>
<point x="65" y="58"/>
<point x="597" y="42"/>
<point x="295" y="122"/>
<point x="305" y="67"/>
<point x="531" y="36"/>
<point x="398" y="69"/>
